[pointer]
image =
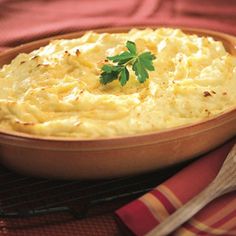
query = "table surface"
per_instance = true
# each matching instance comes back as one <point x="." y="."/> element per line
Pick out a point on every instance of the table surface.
<point x="33" y="206"/>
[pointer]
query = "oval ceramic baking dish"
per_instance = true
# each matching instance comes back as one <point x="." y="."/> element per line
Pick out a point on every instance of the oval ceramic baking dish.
<point x="71" y="158"/>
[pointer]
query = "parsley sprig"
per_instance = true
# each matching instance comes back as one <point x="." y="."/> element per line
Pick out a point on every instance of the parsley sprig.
<point x="140" y="64"/>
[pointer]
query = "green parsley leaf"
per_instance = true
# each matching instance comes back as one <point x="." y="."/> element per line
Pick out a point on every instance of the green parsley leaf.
<point x="125" y="56"/>
<point x="107" y="68"/>
<point x="146" y="60"/>
<point x="140" y="71"/>
<point x="109" y="73"/>
<point x="124" y="76"/>
<point x="131" y="47"/>
<point x="140" y="64"/>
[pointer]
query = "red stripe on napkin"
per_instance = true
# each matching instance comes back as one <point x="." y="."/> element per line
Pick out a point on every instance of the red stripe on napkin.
<point x="165" y="201"/>
<point x="219" y="217"/>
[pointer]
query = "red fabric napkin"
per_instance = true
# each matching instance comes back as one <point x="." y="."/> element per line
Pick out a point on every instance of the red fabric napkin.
<point x="218" y="218"/>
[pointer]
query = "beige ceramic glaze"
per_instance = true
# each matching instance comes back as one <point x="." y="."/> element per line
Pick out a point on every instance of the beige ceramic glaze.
<point x="115" y="156"/>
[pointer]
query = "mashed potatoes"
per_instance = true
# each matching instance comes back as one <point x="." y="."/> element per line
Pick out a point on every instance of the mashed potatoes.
<point x="55" y="90"/>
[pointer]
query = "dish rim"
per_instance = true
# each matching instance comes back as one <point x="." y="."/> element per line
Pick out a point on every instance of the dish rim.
<point x="21" y="136"/>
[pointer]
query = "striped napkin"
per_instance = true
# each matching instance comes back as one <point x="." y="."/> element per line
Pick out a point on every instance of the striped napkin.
<point x="141" y="216"/>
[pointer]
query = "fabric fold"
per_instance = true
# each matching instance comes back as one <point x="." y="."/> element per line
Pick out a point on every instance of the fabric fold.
<point x="219" y="8"/>
<point x="25" y="21"/>
<point x="217" y="218"/>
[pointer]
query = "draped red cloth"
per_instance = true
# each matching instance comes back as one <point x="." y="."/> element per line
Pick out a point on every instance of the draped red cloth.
<point x="24" y="20"/>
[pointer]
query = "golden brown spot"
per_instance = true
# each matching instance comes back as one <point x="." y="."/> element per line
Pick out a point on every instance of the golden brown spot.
<point x="224" y="93"/>
<point x="206" y="94"/>
<point x="213" y="91"/>
<point x="22" y="62"/>
<point x="77" y="52"/>
<point x="28" y="123"/>
<point x="35" y="57"/>
<point x="67" y="53"/>
<point x="42" y="65"/>
<point x="208" y="112"/>
<point x="24" y="123"/>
